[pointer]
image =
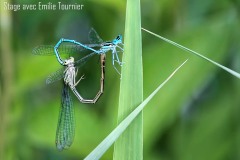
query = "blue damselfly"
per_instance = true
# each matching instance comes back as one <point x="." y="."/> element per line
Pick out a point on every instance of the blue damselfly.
<point x="97" y="46"/>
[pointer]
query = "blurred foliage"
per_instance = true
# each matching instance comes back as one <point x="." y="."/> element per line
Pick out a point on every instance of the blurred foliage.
<point x="195" y="116"/>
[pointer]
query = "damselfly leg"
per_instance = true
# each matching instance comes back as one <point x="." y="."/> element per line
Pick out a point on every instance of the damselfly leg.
<point x="70" y="76"/>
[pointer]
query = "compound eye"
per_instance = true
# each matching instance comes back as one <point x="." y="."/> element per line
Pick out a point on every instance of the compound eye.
<point x="119" y="37"/>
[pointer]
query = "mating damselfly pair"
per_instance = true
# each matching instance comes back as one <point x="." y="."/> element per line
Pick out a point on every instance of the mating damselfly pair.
<point x="66" y="123"/>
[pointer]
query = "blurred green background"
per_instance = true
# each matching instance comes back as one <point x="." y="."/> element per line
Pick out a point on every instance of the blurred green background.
<point x="195" y="116"/>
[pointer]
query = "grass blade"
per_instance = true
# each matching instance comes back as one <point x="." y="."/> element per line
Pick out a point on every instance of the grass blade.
<point x="195" y="53"/>
<point x="131" y="87"/>
<point x="113" y="136"/>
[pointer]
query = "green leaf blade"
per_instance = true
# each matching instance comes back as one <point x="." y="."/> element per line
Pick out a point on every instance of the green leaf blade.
<point x="114" y="135"/>
<point x="130" y="143"/>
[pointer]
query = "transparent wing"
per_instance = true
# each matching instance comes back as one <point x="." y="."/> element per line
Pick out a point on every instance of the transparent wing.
<point x="48" y="50"/>
<point x="66" y="122"/>
<point x="55" y="76"/>
<point x="79" y="63"/>
<point x="63" y="49"/>
<point x="93" y="37"/>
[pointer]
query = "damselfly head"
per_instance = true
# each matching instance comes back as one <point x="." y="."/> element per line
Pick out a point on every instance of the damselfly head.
<point x="118" y="39"/>
<point x="71" y="59"/>
<point x="68" y="61"/>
